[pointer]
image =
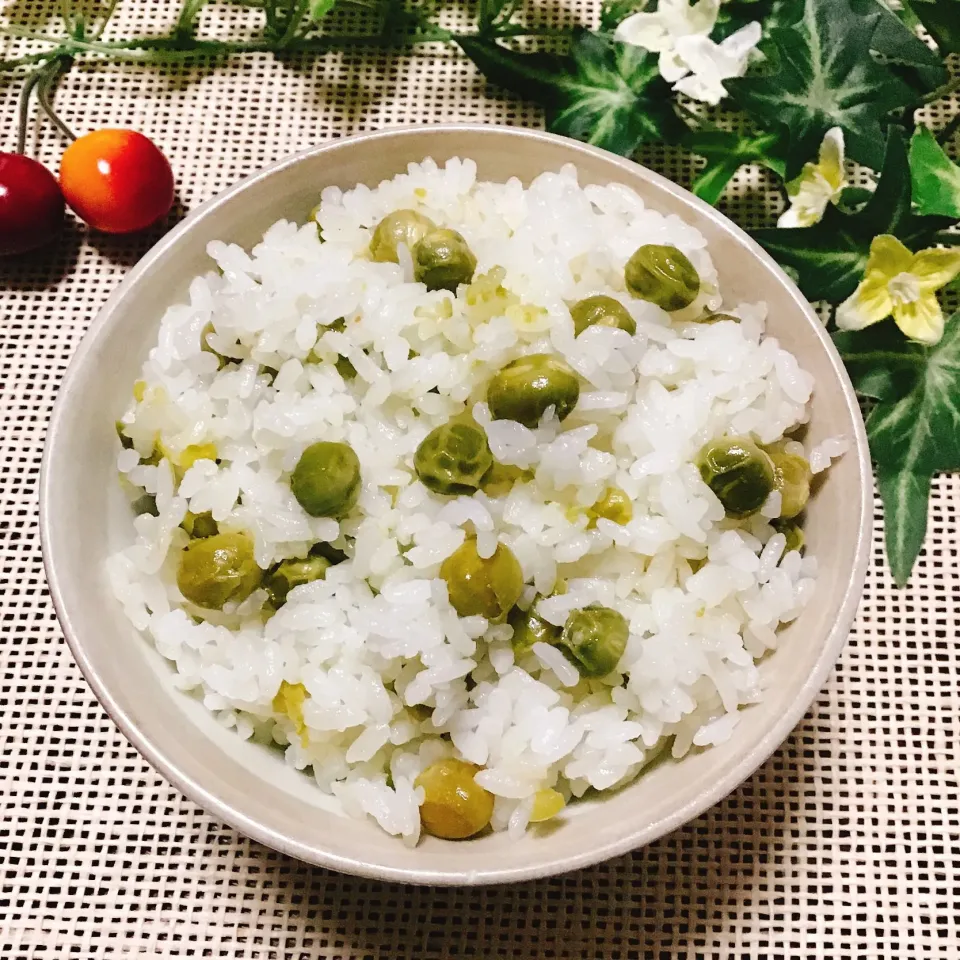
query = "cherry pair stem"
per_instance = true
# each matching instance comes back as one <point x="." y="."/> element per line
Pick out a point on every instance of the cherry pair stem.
<point x="43" y="80"/>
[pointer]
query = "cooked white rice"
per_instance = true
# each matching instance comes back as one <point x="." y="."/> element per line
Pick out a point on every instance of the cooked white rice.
<point x="377" y="637"/>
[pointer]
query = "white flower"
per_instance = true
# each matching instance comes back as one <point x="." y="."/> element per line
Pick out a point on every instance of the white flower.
<point x="680" y="32"/>
<point x="819" y="184"/>
<point x="659" y="31"/>
<point x="711" y="63"/>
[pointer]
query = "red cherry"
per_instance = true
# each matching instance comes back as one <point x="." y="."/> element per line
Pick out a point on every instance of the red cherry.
<point x="31" y="204"/>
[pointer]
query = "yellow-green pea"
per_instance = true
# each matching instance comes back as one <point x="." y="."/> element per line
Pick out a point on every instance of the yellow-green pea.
<point x="484" y="586"/>
<point x="739" y="472"/>
<point x="442" y="260"/>
<point x="662" y="275"/>
<point x="528" y="629"/>
<point x="402" y="226"/>
<point x="526" y="387"/>
<point x="594" y="639"/>
<point x="326" y="479"/>
<point x="454" y="805"/>
<point x="601" y="311"/>
<point x="453" y="458"/>
<point x="218" y="570"/>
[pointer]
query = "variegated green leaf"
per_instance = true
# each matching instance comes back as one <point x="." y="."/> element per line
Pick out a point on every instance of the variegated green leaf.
<point x="905" y="495"/>
<point x="826" y="77"/>
<point x="605" y="93"/>
<point x="726" y="152"/>
<point x="935" y="177"/>
<point x="914" y="429"/>
<point x="942" y="20"/>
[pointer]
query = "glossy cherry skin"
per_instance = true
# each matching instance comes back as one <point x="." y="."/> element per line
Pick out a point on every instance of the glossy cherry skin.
<point x="118" y="181"/>
<point x="31" y="204"/>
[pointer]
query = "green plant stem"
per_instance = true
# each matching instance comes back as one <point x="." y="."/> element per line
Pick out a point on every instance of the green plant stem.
<point x="188" y="15"/>
<point x="518" y="30"/>
<point x="946" y="238"/>
<point x="23" y="107"/>
<point x="25" y="60"/>
<point x="60" y="66"/>
<point x="950" y="87"/>
<point x="183" y="47"/>
<point x="293" y="24"/>
<point x="63" y="8"/>
<point x="107" y="17"/>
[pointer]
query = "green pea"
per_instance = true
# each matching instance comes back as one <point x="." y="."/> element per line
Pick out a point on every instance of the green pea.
<point x="525" y="388"/>
<point x="146" y="504"/>
<point x="326" y="479"/>
<point x="740" y="474"/>
<point x="218" y="570"/>
<point x="205" y="347"/>
<point x="402" y="226"/>
<point x="601" y="311"/>
<point x="454" y="805"/>
<point x="442" y="260"/>
<point x="345" y="368"/>
<point x="529" y="629"/>
<point x="717" y="318"/>
<point x="792" y="477"/>
<point x="312" y="218"/>
<point x="663" y="275"/>
<point x="614" y="505"/>
<point x="594" y="639"/>
<point x="792" y="532"/>
<point x="329" y="552"/>
<point x="293" y="573"/>
<point x="488" y="587"/>
<point x="200" y="525"/>
<point x="499" y="480"/>
<point x="125" y="441"/>
<point x="453" y="458"/>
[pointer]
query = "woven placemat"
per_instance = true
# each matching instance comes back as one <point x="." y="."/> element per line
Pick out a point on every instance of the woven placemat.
<point x="844" y="845"/>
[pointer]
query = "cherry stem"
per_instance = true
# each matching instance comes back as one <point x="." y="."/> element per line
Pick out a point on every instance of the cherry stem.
<point x="23" y="107"/>
<point x="60" y="65"/>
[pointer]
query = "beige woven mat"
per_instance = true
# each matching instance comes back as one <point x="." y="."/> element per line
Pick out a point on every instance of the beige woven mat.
<point x="844" y="845"/>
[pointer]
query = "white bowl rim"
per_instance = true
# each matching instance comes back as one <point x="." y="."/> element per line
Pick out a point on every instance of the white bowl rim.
<point x="168" y="766"/>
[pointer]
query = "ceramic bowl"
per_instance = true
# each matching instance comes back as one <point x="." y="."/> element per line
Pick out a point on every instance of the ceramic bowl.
<point x="84" y="517"/>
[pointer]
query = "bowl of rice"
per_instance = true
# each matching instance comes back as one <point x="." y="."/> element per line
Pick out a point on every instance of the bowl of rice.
<point x="456" y="505"/>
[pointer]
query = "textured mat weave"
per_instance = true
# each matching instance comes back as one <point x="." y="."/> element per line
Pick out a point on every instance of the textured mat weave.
<point x="844" y="845"/>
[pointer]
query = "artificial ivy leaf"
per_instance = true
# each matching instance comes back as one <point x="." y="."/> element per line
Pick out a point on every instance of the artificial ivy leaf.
<point x="605" y="93"/>
<point x="881" y="361"/>
<point x="612" y="12"/>
<point x="320" y="8"/>
<point x="771" y="14"/>
<point x="489" y="11"/>
<point x="830" y="256"/>
<point x="894" y="39"/>
<point x="853" y="198"/>
<point x="914" y="429"/>
<point x="905" y="495"/>
<point x="942" y="20"/>
<point x="935" y="177"/>
<point x="826" y="78"/>
<point x="726" y="152"/>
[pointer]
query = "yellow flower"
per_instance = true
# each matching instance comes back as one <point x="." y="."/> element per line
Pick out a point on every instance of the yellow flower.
<point x="902" y="283"/>
<point x="819" y="184"/>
